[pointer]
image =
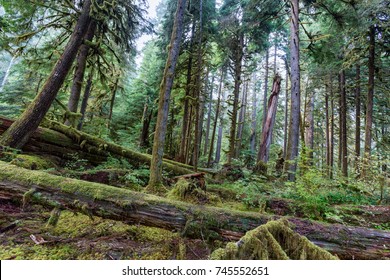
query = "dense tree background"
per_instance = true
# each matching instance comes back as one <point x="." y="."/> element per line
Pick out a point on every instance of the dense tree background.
<point x="229" y="53"/>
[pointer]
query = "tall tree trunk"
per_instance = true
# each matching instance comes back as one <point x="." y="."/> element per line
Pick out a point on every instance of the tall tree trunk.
<point x="208" y="125"/>
<point x="20" y="131"/>
<point x="237" y="61"/>
<point x="199" y="97"/>
<point x="275" y="55"/>
<point x="327" y="132"/>
<point x="253" y="121"/>
<point x="370" y="102"/>
<point x="343" y="117"/>
<point x="266" y="134"/>
<point x="146" y="119"/>
<point x="331" y="141"/>
<point x="220" y="130"/>
<point x="357" y="119"/>
<point x="84" y="102"/>
<point x="112" y="101"/>
<point x="241" y="118"/>
<point x="309" y="126"/>
<point x="217" y="113"/>
<point x="293" y="135"/>
<point x="81" y="64"/>
<point x="165" y="92"/>
<point x="186" y="114"/>
<point x="265" y="87"/>
<point x="286" y="114"/>
<point x="6" y="75"/>
<point x="340" y="153"/>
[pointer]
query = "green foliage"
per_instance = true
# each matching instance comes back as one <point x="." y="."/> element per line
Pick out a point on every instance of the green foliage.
<point x="76" y="163"/>
<point x="138" y="176"/>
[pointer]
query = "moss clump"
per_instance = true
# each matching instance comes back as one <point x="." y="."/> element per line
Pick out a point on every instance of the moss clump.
<point x="188" y="190"/>
<point x="32" y="162"/>
<point x="261" y="168"/>
<point x="272" y="241"/>
<point x="54" y="217"/>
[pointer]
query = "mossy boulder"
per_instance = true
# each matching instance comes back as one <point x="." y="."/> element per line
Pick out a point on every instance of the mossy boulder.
<point x="272" y="241"/>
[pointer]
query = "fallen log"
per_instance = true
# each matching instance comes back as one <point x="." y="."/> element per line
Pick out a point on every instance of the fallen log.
<point x="64" y="142"/>
<point x="114" y="149"/>
<point x="191" y="220"/>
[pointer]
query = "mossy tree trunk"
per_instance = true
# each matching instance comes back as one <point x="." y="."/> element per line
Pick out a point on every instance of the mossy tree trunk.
<point x="343" y="125"/>
<point x="236" y="58"/>
<point x="217" y="113"/>
<point x="84" y="102"/>
<point x="369" y="102"/>
<point x="20" y="131"/>
<point x="165" y="93"/>
<point x="293" y="133"/>
<point x="186" y="114"/>
<point x="357" y="119"/>
<point x="195" y="221"/>
<point x="81" y="64"/>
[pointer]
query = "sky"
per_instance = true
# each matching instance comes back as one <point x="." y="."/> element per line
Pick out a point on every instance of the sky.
<point x="152" y="7"/>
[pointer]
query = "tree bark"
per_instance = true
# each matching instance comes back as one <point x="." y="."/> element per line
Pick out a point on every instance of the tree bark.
<point x="253" y="121"/>
<point x="241" y="118"/>
<point x="265" y="87"/>
<point x="266" y="133"/>
<point x="208" y="124"/>
<point x="370" y="102"/>
<point x="331" y="144"/>
<point x="165" y="93"/>
<point x="309" y="126"/>
<point x="84" y="102"/>
<point x="347" y="242"/>
<point x="285" y="118"/>
<point x="237" y="66"/>
<point x="146" y="119"/>
<point x="20" y="131"/>
<point x="218" y="111"/>
<point x="199" y="94"/>
<point x="343" y="122"/>
<point x="327" y="132"/>
<point x="293" y="135"/>
<point x="81" y="64"/>
<point x="186" y="114"/>
<point x="357" y="119"/>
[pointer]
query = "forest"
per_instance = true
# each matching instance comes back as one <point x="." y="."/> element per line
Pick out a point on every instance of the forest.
<point x="206" y="130"/>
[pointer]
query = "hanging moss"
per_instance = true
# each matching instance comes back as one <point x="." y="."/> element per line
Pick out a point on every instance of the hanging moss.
<point x="272" y="241"/>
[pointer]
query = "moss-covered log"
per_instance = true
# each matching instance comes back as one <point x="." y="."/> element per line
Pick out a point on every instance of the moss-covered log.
<point x="63" y="142"/>
<point x="191" y="220"/>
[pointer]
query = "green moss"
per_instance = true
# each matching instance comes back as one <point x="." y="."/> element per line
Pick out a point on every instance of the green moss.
<point x="54" y="217"/>
<point x="187" y="190"/>
<point x="27" y="197"/>
<point x="272" y="241"/>
<point x="32" y="162"/>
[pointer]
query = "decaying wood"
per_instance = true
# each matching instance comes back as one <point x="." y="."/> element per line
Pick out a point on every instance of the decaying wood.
<point x="192" y="220"/>
<point x="63" y="142"/>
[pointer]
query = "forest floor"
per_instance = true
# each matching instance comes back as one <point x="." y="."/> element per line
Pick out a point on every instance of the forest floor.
<point x="25" y="234"/>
